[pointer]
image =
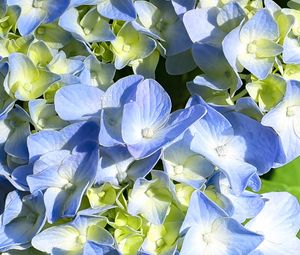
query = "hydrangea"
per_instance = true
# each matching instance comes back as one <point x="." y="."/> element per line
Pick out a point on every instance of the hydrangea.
<point x="149" y="127"/>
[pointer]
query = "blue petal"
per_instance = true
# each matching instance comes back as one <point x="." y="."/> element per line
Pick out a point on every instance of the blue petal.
<point x="78" y="102"/>
<point x="207" y="19"/>
<point x="263" y="145"/>
<point x="180" y="63"/>
<point x="117" y="9"/>
<point x="201" y="212"/>
<point x="182" y="6"/>
<point x="261" y="26"/>
<point x="30" y="20"/>
<point x="179" y="121"/>
<point x="279" y="222"/>
<point x="55" y="8"/>
<point x="92" y="248"/>
<point x="16" y="142"/>
<point x="114" y="99"/>
<point x="67" y="138"/>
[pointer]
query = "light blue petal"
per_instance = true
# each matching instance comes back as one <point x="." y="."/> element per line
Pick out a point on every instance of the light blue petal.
<point x="76" y="3"/>
<point x="117" y="9"/>
<point x="182" y="6"/>
<point x="54" y="199"/>
<point x="13" y="207"/>
<point x="62" y="237"/>
<point x="208" y="19"/>
<point x="179" y="121"/>
<point x="45" y="179"/>
<point x="283" y="119"/>
<point x="111" y="117"/>
<point x="230" y="16"/>
<point x="84" y="160"/>
<point x="232" y="46"/>
<point x="67" y="138"/>
<point x="132" y="123"/>
<point x="44" y="142"/>
<point x="279" y="222"/>
<point x="154" y="103"/>
<point x="19" y="176"/>
<point x="201" y="212"/>
<point x="291" y="50"/>
<point x="78" y="102"/>
<point x="29" y="222"/>
<point x="245" y="206"/>
<point x="177" y="39"/>
<point x="50" y="159"/>
<point x="261" y="26"/>
<point x="217" y="69"/>
<point x="92" y="248"/>
<point x="263" y="145"/>
<point x="55" y="8"/>
<point x="184" y="165"/>
<point x="30" y="20"/>
<point x="77" y="133"/>
<point x="16" y="142"/>
<point x="180" y="63"/>
<point x="260" y="67"/>
<point x="141" y="168"/>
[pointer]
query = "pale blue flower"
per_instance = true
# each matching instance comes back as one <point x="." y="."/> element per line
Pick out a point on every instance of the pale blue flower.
<point x="22" y="219"/>
<point x="64" y="176"/>
<point x="283" y="118"/>
<point x="89" y="28"/>
<point x="85" y="235"/>
<point x="36" y="12"/>
<point x="184" y="165"/>
<point x="117" y="166"/>
<point x="208" y="230"/>
<point x="253" y="45"/>
<point x="152" y="199"/>
<point x="111" y="9"/>
<point x="279" y="223"/>
<point x="147" y="124"/>
<point x="228" y="142"/>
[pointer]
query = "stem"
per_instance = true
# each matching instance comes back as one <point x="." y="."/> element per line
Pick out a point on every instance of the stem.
<point x="238" y="96"/>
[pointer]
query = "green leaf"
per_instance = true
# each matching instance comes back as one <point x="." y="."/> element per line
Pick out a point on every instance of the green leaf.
<point x="288" y="174"/>
<point x="273" y="186"/>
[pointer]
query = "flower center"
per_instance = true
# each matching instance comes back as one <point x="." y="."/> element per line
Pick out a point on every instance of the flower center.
<point x="41" y="30"/>
<point x="147" y="133"/>
<point x="101" y="194"/>
<point x="221" y="150"/>
<point x="251" y="48"/>
<point x="150" y="192"/>
<point x="126" y="48"/>
<point x="41" y="122"/>
<point x="68" y="186"/>
<point x="27" y="86"/>
<point x="4" y="24"/>
<point x="160" y="243"/>
<point x="81" y="239"/>
<point x="178" y="169"/>
<point x="87" y="31"/>
<point x="31" y="218"/>
<point x="291" y="111"/>
<point x="121" y="176"/>
<point x="37" y="3"/>
<point x="207" y="238"/>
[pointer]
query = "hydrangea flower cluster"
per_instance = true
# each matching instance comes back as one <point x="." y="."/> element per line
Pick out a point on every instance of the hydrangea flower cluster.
<point x="97" y="158"/>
